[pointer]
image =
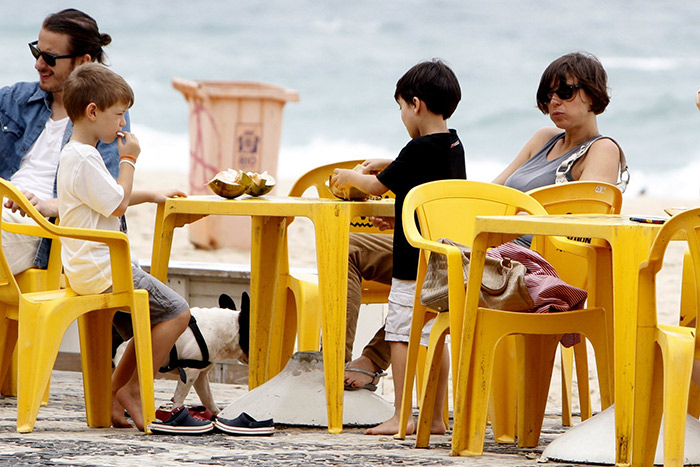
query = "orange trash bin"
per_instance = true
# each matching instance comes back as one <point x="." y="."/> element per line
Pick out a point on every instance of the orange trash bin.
<point x="234" y="125"/>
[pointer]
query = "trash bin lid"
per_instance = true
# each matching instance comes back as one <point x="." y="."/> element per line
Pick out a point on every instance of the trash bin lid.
<point x="234" y="90"/>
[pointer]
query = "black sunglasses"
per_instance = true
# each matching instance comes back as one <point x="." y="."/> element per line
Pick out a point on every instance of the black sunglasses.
<point x="564" y="91"/>
<point x="49" y="58"/>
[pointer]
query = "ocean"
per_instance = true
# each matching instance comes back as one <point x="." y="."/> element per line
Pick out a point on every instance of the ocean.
<point x="344" y="59"/>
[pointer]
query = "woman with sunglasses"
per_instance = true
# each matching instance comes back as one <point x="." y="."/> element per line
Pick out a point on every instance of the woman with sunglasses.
<point x="573" y="91"/>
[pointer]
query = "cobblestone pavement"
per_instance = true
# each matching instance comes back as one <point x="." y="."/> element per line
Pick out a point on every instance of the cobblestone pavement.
<point x="61" y="437"/>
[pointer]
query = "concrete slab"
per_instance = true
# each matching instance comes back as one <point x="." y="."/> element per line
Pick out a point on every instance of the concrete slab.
<point x="61" y="437"/>
<point x="297" y="396"/>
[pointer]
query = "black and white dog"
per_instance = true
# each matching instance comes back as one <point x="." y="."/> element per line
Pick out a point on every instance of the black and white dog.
<point x="214" y="335"/>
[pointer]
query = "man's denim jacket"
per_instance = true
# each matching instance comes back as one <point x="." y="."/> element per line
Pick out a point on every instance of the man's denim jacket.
<point x="24" y="110"/>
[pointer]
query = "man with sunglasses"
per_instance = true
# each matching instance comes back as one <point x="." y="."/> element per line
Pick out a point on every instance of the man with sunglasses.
<point x="34" y="125"/>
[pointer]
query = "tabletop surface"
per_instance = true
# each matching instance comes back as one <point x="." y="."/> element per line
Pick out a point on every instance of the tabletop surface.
<point x="560" y="223"/>
<point x="274" y="199"/>
<point x="274" y="206"/>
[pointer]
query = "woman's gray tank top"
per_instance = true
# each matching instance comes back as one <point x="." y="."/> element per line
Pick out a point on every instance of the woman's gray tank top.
<point x="537" y="171"/>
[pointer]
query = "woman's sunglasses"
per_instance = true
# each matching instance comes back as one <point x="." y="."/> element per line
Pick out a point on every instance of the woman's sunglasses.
<point x="49" y="59"/>
<point x="564" y="92"/>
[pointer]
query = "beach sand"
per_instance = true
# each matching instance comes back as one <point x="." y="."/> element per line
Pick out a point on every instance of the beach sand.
<point x="141" y="219"/>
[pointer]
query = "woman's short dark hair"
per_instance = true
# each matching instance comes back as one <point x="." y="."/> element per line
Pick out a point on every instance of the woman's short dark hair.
<point x="85" y="36"/>
<point x="434" y="83"/>
<point x="583" y="67"/>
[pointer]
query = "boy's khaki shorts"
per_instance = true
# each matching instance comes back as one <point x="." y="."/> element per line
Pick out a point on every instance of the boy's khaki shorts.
<point x="165" y="304"/>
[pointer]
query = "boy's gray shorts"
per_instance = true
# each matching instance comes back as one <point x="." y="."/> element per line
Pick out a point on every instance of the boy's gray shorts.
<point x="165" y="304"/>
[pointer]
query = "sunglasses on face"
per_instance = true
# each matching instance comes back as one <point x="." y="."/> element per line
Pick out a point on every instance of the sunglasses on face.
<point x="564" y="91"/>
<point x="49" y="58"/>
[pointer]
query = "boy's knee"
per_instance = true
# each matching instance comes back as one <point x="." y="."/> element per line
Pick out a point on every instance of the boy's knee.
<point x="183" y="319"/>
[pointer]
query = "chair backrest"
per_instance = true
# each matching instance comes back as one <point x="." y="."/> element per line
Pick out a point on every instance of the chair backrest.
<point x="683" y="225"/>
<point x="447" y="208"/>
<point x="583" y="197"/>
<point x="318" y="177"/>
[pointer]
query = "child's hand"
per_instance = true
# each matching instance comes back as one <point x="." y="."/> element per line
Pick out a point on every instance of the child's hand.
<point x="128" y="144"/>
<point x="374" y="166"/>
<point x="383" y="223"/>
<point x="342" y="178"/>
<point x="162" y="195"/>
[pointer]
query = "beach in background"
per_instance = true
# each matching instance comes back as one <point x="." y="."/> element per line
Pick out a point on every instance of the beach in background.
<point x="344" y="59"/>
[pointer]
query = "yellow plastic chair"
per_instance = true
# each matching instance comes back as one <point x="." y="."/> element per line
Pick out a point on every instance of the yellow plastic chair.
<point x="299" y="292"/>
<point x="434" y="204"/>
<point x="688" y="317"/>
<point x="665" y="353"/>
<point x="43" y="318"/>
<point x="537" y="337"/>
<point x="582" y="197"/>
<point x="31" y="280"/>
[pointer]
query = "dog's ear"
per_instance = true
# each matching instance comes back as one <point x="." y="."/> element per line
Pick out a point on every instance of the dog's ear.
<point x="244" y="324"/>
<point x="226" y="302"/>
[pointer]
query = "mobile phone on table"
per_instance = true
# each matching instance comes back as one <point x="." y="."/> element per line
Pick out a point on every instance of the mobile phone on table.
<point x="648" y="219"/>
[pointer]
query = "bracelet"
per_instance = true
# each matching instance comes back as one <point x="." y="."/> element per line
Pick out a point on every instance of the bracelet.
<point x="129" y="157"/>
<point x="127" y="161"/>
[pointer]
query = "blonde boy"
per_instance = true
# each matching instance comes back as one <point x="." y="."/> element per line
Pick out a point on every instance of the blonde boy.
<point x="427" y="95"/>
<point x="96" y="100"/>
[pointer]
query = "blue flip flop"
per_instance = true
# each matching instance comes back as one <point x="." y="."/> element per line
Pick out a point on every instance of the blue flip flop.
<point x="245" y="425"/>
<point x="181" y="423"/>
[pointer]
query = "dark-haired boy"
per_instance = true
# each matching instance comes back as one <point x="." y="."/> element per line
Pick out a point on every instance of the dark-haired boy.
<point x="427" y="95"/>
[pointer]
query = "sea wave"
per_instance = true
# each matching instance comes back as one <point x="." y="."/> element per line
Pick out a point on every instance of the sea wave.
<point x="649" y="63"/>
<point x="163" y="151"/>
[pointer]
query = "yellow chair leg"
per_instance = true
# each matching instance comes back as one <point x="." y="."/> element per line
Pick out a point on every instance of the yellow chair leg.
<point x="502" y="403"/>
<point x="412" y="366"/>
<point x="95" y="329"/>
<point x="536" y="355"/>
<point x="584" y="392"/>
<point x="40" y="338"/>
<point x="678" y="366"/>
<point x="140" y="319"/>
<point x="433" y="367"/>
<point x="567" y="363"/>
<point x="694" y="400"/>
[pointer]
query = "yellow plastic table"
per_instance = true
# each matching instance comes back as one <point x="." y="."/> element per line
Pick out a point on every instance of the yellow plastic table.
<point x="269" y="215"/>
<point x="629" y="245"/>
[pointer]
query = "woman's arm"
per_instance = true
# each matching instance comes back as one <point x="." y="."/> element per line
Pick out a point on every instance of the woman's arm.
<point x="601" y="163"/>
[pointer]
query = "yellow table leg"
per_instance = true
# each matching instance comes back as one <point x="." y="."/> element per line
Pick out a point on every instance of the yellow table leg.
<point x="332" y="258"/>
<point x="629" y="248"/>
<point x="266" y="248"/>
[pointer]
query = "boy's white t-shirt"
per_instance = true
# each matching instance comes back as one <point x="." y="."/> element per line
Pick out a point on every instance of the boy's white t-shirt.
<point x="87" y="197"/>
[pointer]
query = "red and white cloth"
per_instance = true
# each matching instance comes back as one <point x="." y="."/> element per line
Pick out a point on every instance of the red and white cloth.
<point x="548" y="291"/>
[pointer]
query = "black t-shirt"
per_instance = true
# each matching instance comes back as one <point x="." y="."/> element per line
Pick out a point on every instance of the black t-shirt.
<point x="439" y="156"/>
